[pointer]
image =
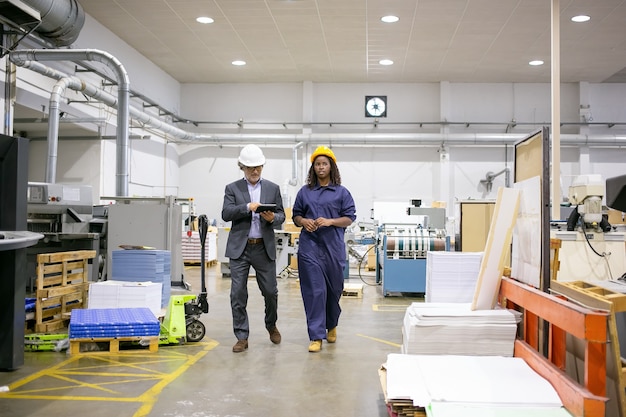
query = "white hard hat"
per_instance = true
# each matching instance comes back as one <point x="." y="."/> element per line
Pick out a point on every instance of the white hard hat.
<point x="251" y="156"/>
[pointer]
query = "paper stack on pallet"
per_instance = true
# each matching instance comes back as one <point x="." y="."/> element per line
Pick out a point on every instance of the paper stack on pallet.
<point x="451" y="276"/>
<point x="144" y="265"/>
<point x="455" y="329"/>
<point x="126" y="294"/>
<point x="469" y="386"/>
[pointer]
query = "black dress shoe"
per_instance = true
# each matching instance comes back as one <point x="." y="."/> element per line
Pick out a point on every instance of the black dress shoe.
<point x="240" y="346"/>
<point x="274" y="335"/>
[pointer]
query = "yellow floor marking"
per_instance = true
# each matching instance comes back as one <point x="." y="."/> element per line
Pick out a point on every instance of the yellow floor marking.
<point x="387" y="342"/>
<point x="63" y="371"/>
<point x="389" y="307"/>
<point x="149" y="398"/>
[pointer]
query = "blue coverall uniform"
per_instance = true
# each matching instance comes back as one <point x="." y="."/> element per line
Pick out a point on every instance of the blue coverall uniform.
<point x="322" y="255"/>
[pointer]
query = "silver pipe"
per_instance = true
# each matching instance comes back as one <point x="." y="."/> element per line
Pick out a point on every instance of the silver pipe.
<point x="53" y="128"/>
<point x="61" y="20"/>
<point x="294" y="164"/>
<point x="298" y="140"/>
<point x="123" y="94"/>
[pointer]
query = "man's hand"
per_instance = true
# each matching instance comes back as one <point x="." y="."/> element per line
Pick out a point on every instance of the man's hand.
<point x="268" y="215"/>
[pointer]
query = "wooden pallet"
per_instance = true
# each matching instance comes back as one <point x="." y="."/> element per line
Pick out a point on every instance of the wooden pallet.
<point x="190" y="262"/>
<point x="603" y="299"/>
<point x="62" y="285"/>
<point x="353" y="290"/>
<point x="113" y="343"/>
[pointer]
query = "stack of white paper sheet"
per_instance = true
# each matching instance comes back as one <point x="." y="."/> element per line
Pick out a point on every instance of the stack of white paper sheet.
<point x="144" y="265"/>
<point x="455" y="329"/>
<point x="456" y="386"/>
<point x="125" y="294"/>
<point x="451" y="276"/>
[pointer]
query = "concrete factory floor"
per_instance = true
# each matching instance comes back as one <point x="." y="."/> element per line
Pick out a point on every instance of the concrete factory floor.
<point x="206" y="379"/>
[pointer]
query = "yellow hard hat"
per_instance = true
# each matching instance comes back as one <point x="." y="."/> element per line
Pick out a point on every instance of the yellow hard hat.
<point x="323" y="150"/>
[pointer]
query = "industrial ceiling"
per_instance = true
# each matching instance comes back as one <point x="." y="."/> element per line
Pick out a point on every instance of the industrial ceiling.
<point x="343" y="40"/>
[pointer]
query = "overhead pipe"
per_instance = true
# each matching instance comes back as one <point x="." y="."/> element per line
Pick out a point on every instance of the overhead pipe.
<point x="61" y="20"/>
<point x="123" y="97"/>
<point x="299" y="139"/>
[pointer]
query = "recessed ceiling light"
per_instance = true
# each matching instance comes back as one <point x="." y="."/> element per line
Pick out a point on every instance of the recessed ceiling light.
<point x="580" y="18"/>
<point x="239" y="63"/>
<point x="536" y="62"/>
<point x="204" y="19"/>
<point x="390" y="19"/>
<point x="385" y="62"/>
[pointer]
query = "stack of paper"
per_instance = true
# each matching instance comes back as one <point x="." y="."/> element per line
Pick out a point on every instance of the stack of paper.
<point x="452" y="386"/>
<point x="454" y="329"/>
<point x="192" y="247"/>
<point x="126" y="294"/>
<point x="451" y="276"/>
<point x="144" y="265"/>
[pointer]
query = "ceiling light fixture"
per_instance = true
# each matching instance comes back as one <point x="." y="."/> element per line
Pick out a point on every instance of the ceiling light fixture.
<point x="390" y="19"/>
<point x="239" y="62"/>
<point x="536" y="62"/>
<point x="581" y="18"/>
<point x="204" y="19"/>
<point x="385" y="62"/>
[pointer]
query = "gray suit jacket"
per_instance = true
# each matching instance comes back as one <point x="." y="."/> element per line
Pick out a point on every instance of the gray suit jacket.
<point x="236" y="198"/>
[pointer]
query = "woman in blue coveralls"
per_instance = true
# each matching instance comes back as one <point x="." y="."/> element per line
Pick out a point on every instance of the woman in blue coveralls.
<point x="323" y="208"/>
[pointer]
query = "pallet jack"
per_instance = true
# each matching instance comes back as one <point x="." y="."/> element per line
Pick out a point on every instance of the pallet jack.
<point x="181" y="323"/>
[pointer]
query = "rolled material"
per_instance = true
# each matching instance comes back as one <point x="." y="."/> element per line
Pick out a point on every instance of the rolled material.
<point x="413" y="244"/>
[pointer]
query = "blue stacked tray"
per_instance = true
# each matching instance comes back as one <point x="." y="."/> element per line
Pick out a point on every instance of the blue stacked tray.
<point x="144" y="265"/>
<point x="113" y="322"/>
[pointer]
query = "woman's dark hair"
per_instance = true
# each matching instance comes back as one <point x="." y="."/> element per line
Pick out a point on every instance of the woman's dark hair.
<point x="335" y="176"/>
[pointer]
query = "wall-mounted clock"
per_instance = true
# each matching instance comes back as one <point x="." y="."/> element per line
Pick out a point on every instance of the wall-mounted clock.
<point x="375" y="106"/>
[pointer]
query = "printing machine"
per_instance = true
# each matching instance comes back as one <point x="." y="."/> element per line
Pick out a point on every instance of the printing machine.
<point x="401" y="249"/>
<point x="63" y="213"/>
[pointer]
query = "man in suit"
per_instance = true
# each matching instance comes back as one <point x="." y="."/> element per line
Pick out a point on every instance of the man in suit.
<point x="251" y="242"/>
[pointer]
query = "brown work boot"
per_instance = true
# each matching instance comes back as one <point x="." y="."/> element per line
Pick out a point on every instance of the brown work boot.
<point x="315" y="346"/>
<point x="274" y="335"/>
<point x="332" y="335"/>
<point x="240" y="346"/>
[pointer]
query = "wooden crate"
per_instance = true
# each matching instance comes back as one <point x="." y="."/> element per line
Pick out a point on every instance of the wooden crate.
<point x="114" y="343"/>
<point x="62" y="285"/>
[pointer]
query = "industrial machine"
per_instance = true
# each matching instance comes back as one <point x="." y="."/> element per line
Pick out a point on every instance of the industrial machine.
<point x="147" y="221"/>
<point x="286" y="246"/>
<point x="591" y="250"/>
<point x="63" y="213"/>
<point x="402" y="248"/>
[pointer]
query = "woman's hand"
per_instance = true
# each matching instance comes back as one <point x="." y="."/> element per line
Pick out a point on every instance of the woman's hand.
<point x="309" y="225"/>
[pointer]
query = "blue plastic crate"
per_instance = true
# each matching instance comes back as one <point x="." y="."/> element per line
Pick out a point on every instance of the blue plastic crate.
<point x="113" y="322"/>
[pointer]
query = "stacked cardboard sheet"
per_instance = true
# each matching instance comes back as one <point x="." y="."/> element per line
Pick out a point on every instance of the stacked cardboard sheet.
<point x="454" y="329"/>
<point x="451" y="276"/>
<point x="453" y="386"/>
<point x="192" y="247"/>
<point x="112" y="323"/>
<point x="140" y="265"/>
<point x="126" y="294"/>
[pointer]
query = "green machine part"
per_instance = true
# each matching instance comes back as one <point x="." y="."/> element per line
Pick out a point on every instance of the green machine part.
<point x="174" y="327"/>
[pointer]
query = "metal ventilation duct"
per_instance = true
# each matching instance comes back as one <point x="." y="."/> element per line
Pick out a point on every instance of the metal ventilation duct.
<point x="17" y="13"/>
<point x="56" y="21"/>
